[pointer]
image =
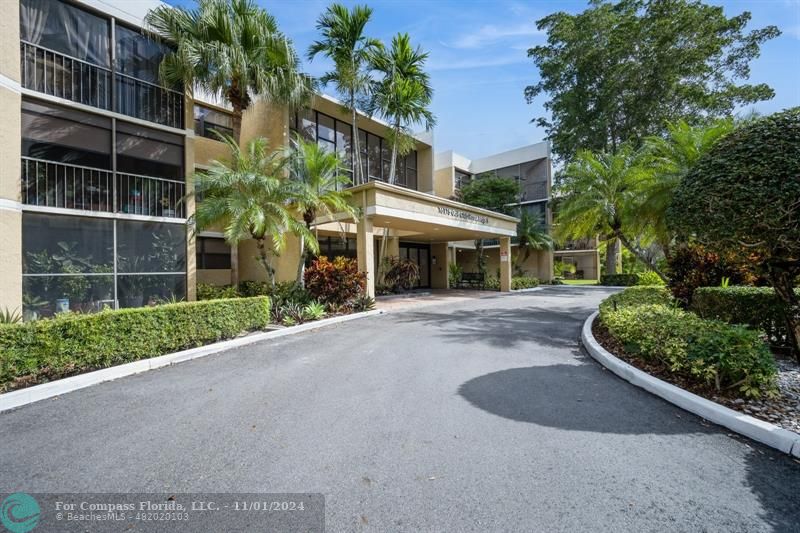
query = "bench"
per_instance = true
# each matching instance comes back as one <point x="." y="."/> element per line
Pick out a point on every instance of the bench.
<point x="472" y="279"/>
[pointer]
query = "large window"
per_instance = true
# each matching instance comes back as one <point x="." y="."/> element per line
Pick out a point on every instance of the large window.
<point x="66" y="52"/>
<point x="531" y="177"/>
<point x="213" y="253"/>
<point x="67" y="163"/>
<point x="210" y="122"/>
<point x="69" y="263"/>
<point x="376" y="152"/>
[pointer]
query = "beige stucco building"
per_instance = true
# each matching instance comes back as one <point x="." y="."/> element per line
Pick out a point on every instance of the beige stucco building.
<point x="97" y="159"/>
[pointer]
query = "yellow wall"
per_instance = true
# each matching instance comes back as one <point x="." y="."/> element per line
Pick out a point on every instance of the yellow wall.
<point x="10" y="118"/>
<point x="443" y="182"/>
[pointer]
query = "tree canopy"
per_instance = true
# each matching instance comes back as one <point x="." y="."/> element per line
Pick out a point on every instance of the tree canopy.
<point x="743" y="196"/>
<point x="619" y="72"/>
<point x="492" y="192"/>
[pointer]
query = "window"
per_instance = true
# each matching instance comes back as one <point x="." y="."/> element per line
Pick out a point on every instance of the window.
<point x="411" y="170"/>
<point x="213" y="253"/>
<point x="537" y="211"/>
<point x="149" y="152"/>
<point x="66" y="29"/>
<point x="461" y="179"/>
<point x="533" y="183"/>
<point x="207" y="121"/>
<point x="67" y="264"/>
<point x="137" y="55"/>
<point x="374" y="155"/>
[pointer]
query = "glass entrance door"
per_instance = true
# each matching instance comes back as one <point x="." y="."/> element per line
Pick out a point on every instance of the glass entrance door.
<point x="421" y="255"/>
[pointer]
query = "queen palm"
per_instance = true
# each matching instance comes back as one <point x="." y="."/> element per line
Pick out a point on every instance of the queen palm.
<point x="671" y="158"/>
<point x="249" y="197"/>
<point x="318" y="178"/>
<point x="403" y="94"/>
<point x="343" y="41"/>
<point x="233" y="50"/>
<point x="601" y="193"/>
<point x="531" y="235"/>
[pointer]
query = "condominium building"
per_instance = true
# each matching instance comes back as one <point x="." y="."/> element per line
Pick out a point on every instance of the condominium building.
<point x="97" y="163"/>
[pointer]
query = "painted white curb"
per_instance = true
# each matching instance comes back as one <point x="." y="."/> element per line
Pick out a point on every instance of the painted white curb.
<point x="758" y="430"/>
<point x="13" y="399"/>
<point x="529" y="289"/>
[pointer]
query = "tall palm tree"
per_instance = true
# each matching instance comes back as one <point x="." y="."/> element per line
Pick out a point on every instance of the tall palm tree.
<point x="531" y="235"/>
<point x="319" y="178"/>
<point x="249" y="197"/>
<point x="404" y="93"/>
<point x="343" y="41"/>
<point x="671" y="158"/>
<point x="602" y="192"/>
<point x="233" y="50"/>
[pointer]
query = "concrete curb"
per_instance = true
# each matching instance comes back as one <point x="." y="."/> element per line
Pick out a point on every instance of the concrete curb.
<point x="758" y="430"/>
<point x="529" y="289"/>
<point x="11" y="400"/>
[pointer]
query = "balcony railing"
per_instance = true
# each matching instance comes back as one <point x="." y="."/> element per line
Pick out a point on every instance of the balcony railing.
<point x="534" y="191"/>
<point x="578" y="244"/>
<point x="63" y="76"/>
<point x="50" y="72"/>
<point x="51" y="184"/>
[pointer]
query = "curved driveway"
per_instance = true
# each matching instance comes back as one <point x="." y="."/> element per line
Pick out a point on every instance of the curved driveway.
<point x="479" y="415"/>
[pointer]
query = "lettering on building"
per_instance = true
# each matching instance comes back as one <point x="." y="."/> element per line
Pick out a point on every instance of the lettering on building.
<point x="463" y="215"/>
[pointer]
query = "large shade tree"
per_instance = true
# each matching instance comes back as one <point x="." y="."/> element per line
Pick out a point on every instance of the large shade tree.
<point x="233" y="50"/>
<point x="249" y="197"/>
<point x="345" y="43"/>
<point x="619" y="71"/>
<point x="319" y="178"/>
<point x="743" y="197"/>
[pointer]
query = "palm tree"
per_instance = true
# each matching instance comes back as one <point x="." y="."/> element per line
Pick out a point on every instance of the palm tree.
<point x="250" y="198"/>
<point x="404" y="93"/>
<point x="233" y="50"/>
<point x="318" y="178"/>
<point x="531" y="235"/>
<point x="602" y="192"/>
<point x="671" y="158"/>
<point x="344" y="42"/>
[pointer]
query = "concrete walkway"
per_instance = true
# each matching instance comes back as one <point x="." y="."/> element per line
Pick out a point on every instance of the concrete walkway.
<point x="478" y="415"/>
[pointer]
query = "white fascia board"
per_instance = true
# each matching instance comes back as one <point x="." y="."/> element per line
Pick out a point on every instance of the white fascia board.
<point x="532" y="152"/>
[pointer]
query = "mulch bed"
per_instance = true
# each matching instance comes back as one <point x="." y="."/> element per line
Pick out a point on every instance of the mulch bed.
<point x="783" y="411"/>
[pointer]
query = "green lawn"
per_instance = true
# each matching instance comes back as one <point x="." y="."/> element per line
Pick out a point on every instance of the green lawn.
<point x="580" y="282"/>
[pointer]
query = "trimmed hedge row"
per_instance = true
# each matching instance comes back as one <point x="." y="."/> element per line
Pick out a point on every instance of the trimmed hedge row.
<point x="523" y="282"/>
<point x="629" y="280"/>
<point x="42" y="350"/>
<point x="646" y="321"/>
<point x="757" y="307"/>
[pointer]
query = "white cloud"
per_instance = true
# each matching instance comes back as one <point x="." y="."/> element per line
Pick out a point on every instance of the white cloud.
<point x="491" y="33"/>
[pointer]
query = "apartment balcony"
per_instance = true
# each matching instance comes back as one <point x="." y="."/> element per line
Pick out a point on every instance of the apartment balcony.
<point x="61" y="185"/>
<point x="534" y="191"/>
<point x="60" y="75"/>
<point x="577" y="244"/>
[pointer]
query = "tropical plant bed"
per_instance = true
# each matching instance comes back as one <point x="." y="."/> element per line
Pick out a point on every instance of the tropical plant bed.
<point x="782" y="410"/>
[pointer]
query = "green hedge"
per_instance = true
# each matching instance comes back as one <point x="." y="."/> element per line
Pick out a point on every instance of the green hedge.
<point x="649" y="326"/>
<point x="70" y="344"/>
<point x="757" y="307"/>
<point x="523" y="282"/>
<point x="619" y="280"/>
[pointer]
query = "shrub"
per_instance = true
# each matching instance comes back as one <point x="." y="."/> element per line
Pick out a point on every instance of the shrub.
<point x="401" y="274"/>
<point x="70" y="343"/>
<point x="363" y="303"/>
<point x="206" y="291"/>
<point x="635" y="296"/>
<point x="619" y="280"/>
<point x="523" y="282"/>
<point x="692" y="266"/>
<point x="249" y="288"/>
<point x="454" y="274"/>
<point x="757" y="307"/>
<point x="650" y="278"/>
<point x="704" y="351"/>
<point x="335" y="282"/>
<point x="491" y="283"/>
<point x="313" y="311"/>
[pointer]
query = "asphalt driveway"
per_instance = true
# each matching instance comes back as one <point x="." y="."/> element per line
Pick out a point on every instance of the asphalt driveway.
<point x="477" y="415"/>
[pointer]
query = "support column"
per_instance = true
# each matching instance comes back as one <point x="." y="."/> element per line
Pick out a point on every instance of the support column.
<point x="505" y="264"/>
<point x="440" y="268"/>
<point x="365" y="242"/>
<point x="191" y="229"/>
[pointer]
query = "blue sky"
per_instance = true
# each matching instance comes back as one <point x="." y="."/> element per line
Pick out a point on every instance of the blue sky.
<point x="479" y="65"/>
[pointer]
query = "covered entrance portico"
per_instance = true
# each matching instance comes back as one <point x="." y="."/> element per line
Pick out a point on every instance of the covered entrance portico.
<point x="405" y="216"/>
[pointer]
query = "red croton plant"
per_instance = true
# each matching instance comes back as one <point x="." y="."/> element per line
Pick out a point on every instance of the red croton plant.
<point x="336" y="282"/>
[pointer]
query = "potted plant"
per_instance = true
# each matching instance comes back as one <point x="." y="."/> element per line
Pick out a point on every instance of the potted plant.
<point x="166" y="210"/>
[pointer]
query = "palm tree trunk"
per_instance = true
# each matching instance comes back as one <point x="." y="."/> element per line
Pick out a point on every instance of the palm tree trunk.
<point x="263" y="257"/>
<point x="393" y="167"/>
<point x="612" y="255"/>
<point x="301" y="267"/>
<point x="357" y="177"/>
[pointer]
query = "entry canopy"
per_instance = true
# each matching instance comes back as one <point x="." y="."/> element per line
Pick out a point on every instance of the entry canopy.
<point x="423" y="217"/>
